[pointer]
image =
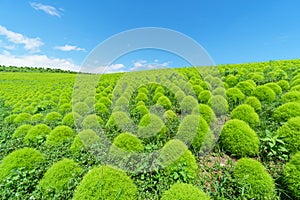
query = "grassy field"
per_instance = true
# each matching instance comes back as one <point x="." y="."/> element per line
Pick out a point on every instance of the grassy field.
<point x="225" y="132"/>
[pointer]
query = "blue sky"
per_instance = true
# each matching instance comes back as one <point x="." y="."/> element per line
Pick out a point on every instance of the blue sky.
<point x="62" y="33"/>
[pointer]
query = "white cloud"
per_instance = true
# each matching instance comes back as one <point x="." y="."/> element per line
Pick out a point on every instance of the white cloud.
<point x="114" y="68"/>
<point x="145" y="65"/>
<point x="50" y="10"/>
<point x="69" y="48"/>
<point x="8" y="59"/>
<point x="30" y="44"/>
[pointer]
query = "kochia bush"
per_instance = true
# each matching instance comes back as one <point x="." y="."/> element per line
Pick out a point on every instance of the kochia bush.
<point x="84" y="140"/>
<point x="234" y="95"/>
<point x="185" y="192"/>
<point x="254" y="179"/>
<point x="60" y="135"/>
<point x="238" y="139"/>
<point x="292" y="175"/>
<point x="264" y="94"/>
<point x="164" y="102"/>
<point x="254" y="103"/>
<point x="37" y="134"/>
<point x="23" y="118"/>
<point x="21" y="131"/>
<point x="245" y="113"/>
<point x="290" y="134"/>
<point x="106" y="182"/>
<point x="71" y="119"/>
<point x="219" y="105"/>
<point x="286" y="111"/>
<point x="53" y="118"/>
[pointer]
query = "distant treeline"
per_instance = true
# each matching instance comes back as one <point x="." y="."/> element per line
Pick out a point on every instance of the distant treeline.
<point x="34" y="69"/>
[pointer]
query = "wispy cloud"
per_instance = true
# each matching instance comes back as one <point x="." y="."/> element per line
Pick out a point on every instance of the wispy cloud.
<point x="69" y="48"/>
<point x="50" y="10"/>
<point x="30" y="44"/>
<point x="114" y="68"/>
<point x="6" y="58"/>
<point x="145" y="65"/>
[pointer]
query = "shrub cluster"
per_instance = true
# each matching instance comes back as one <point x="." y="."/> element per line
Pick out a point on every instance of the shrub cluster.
<point x="292" y="175"/>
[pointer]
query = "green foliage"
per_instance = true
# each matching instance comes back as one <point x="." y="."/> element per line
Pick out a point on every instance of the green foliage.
<point x="275" y="87"/>
<point x="128" y="142"/>
<point x="234" y="95"/>
<point x="71" y="119"/>
<point x="106" y="182"/>
<point x="284" y="85"/>
<point x="184" y="191"/>
<point x="170" y="116"/>
<point x="254" y="180"/>
<point x="151" y="125"/>
<point x="21" y="131"/>
<point x="156" y="96"/>
<point x="245" y="113"/>
<point x="219" y="105"/>
<point x="292" y="96"/>
<point x="238" y="139"/>
<point x="164" y="102"/>
<point x="246" y="87"/>
<point x="142" y="97"/>
<point x="290" y="134"/>
<point x="60" y="135"/>
<point x="204" y="96"/>
<point x="286" y="111"/>
<point x="23" y="118"/>
<point x="37" y="118"/>
<point x="10" y="119"/>
<point x="178" y="161"/>
<point x="81" y="108"/>
<point x="101" y="110"/>
<point x="93" y="122"/>
<point x="231" y="80"/>
<point x="86" y="139"/>
<point x="254" y="102"/>
<point x="65" y="108"/>
<point x="106" y="101"/>
<point x="264" y="94"/>
<point x="219" y="91"/>
<point x="292" y="175"/>
<point x="140" y="111"/>
<point x="27" y="158"/>
<point x="58" y="176"/>
<point x="37" y="134"/>
<point x="53" y="118"/>
<point x="188" y="104"/>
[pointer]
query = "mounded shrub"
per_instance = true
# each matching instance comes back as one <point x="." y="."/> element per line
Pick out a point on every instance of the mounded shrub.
<point x="204" y="96"/>
<point x="292" y="96"/>
<point x="264" y="94"/>
<point x="290" y="134"/>
<point x="151" y="125"/>
<point x="10" y="119"/>
<point x="101" y="110"/>
<point x="245" y="113"/>
<point x="291" y="174"/>
<point x="219" y="91"/>
<point x="254" y="179"/>
<point x="246" y="87"/>
<point x="238" y="139"/>
<point x="53" y="118"/>
<point x="188" y="104"/>
<point x="177" y="159"/>
<point x="141" y="97"/>
<point x="156" y="96"/>
<point x="60" y="135"/>
<point x="206" y="113"/>
<point x="81" y="108"/>
<point x="164" y="102"/>
<point x="27" y="158"/>
<point x="234" y="95"/>
<point x="193" y="131"/>
<point x="128" y="142"/>
<point x="58" y="176"/>
<point x="37" y="118"/>
<point x="170" y="116"/>
<point x="93" y="122"/>
<point x="286" y="111"/>
<point x="296" y="88"/>
<point x="253" y="102"/>
<point x="70" y="119"/>
<point x="106" y="101"/>
<point x="276" y="88"/>
<point x="185" y="192"/>
<point x="37" y="134"/>
<point x="140" y="111"/>
<point x="106" y="182"/>
<point x="21" y="131"/>
<point x="231" y="80"/>
<point x="84" y="140"/>
<point x="285" y="86"/>
<point x="22" y="118"/>
<point x="119" y="122"/>
<point x="197" y="89"/>
<point x="219" y="105"/>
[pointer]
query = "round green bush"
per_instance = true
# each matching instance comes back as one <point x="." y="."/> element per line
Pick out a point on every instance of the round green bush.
<point x="238" y="139"/>
<point x="286" y="111"/>
<point x="177" y="159"/>
<point x="37" y="118"/>
<point x="106" y="182"/>
<point x="254" y="102"/>
<point x="70" y="119"/>
<point x="234" y="95"/>
<point x="22" y="118"/>
<point x="106" y="101"/>
<point x="206" y="113"/>
<point x="128" y="142"/>
<point x="27" y="158"/>
<point x="193" y="131"/>
<point x="81" y="108"/>
<point x="264" y="94"/>
<point x="170" y="116"/>
<point x="231" y="80"/>
<point x="276" y="88"/>
<point x="141" y="97"/>
<point x="164" y="102"/>
<point x="156" y="96"/>
<point x="197" y="89"/>
<point x="188" y="104"/>
<point x="219" y="105"/>
<point x="60" y="135"/>
<point x="204" y="96"/>
<point x="159" y="89"/>
<point x="295" y="88"/>
<point x="254" y="180"/>
<point x="119" y="122"/>
<point x="143" y="89"/>
<point x="292" y="96"/>
<point x="53" y="118"/>
<point x="37" y="134"/>
<point x="219" y="91"/>
<point x="246" y="87"/>
<point x="151" y="125"/>
<point x="93" y="122"/>
<point x="10" y="119"/>
<point x="140" y="111"/>
<point x="290" y="134"/>
<point x="295" y="82"/>
<point x="101" y="110"/>
<point x="245" y="113"/>
<point x="184" y="191"/>
<point x="285" y="86"/>
<point x="291" y="174"/>
<point x="58" y="176"/>
<point x="84" y="140"/>
<point x="21" y="131"/>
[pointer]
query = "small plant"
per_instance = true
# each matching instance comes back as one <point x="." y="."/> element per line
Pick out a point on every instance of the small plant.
<point x="71" y="119"/>
<point x="219" y="105"/>
<point x="264" y="94"/>
<point x="60" y="135"/>
<point x="292" y="175"/>
<point x="93" y="122"/>
<point x="286" y="111"/>
<point x="21" y="131"/>
<point x="23" y="118"/>
<point x="245" y="113"/>
<point x="53" y="119"/>
<point x="37" y="134"/>
<point x="254" y="102"/>
<point x="164" y="102"/>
